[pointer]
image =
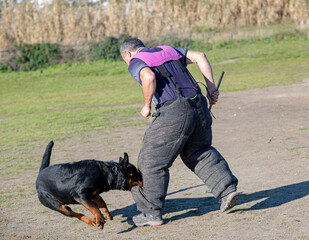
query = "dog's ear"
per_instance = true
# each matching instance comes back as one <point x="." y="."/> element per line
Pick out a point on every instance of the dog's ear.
<point x="126" y="157"/>
<point x="124" y="161"/>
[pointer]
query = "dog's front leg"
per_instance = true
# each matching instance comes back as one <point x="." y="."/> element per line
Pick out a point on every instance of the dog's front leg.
<point x="101" y="203"/>
<point x="94" y="209"/>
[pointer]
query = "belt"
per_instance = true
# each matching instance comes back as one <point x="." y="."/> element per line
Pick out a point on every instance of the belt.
<point x="168" y="102"/>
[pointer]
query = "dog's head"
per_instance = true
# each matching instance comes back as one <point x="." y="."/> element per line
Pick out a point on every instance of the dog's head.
<point x="132" y="175"/>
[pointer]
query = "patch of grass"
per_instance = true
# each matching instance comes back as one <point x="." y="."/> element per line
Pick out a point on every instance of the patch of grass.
<point x="11" y="165"/>
<point x="290" y="44"/>
<point x="242" y="75"/>
<point x="296" y="148"/>
<point x="64" y="101"/>
<point x="63" y="123"/>
<point x="258" y="63"/>
<point x="63" y="88"/>
<point x="303" y="129"/>
<point x="8" y="196"/>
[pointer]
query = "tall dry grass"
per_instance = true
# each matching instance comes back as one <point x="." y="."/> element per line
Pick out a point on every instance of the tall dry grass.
<point x="66" y="23"/>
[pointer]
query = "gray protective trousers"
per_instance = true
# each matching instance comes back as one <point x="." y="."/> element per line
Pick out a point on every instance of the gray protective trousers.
<point x="183" y="127"/>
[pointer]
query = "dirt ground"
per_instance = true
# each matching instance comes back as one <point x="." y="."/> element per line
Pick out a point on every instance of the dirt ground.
<point x="264" y="136"/>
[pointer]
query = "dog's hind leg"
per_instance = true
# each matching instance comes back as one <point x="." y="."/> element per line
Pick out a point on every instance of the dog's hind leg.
<point x="70" y="213"/>
<point x="101" y="203"/>
<point x="49" y="201"/>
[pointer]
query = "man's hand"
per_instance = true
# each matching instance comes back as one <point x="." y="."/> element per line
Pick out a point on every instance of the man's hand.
<point x="213" y="97"/>
<point x="146" y="111"/>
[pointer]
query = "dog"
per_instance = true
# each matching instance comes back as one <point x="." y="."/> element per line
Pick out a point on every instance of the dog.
<point x="82" y="183"/>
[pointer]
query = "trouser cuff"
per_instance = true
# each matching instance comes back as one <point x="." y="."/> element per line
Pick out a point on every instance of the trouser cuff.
<point x="231" y="188"/>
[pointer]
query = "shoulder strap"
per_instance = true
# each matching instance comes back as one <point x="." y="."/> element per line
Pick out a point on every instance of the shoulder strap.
<point x="167" y="75"/>
<point x="185" y="71"/>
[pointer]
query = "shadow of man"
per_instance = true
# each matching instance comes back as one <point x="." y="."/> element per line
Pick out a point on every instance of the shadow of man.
<point x="190" y="207"/>
<point x="274" y="197"/>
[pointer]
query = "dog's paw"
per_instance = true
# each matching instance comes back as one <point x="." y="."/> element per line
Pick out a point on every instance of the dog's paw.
<point x="100" y="223"/>
<point x="91" y="222"/>
<point x="107" y="215"/>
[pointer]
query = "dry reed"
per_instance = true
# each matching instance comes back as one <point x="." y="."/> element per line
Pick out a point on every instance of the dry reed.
<point x="66" y="23"/>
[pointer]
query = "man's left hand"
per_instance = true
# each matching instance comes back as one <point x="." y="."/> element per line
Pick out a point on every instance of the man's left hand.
<point x="213" y="97"/>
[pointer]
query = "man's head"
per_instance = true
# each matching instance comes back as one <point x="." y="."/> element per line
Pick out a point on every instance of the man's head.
<point x="129" y="47"/>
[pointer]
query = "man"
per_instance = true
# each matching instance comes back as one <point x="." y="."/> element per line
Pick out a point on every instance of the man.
<point x="181" y="125"/>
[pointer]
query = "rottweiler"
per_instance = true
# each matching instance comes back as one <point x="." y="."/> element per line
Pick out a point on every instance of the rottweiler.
<point x="81" y="183"/>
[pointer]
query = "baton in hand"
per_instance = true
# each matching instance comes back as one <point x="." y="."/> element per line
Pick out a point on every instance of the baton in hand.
<point x="217" y="88"/>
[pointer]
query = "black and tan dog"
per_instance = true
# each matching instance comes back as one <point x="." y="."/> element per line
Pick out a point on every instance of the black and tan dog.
<point x="81" y="183"/>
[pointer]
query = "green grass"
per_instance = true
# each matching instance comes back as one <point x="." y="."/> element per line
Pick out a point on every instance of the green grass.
<point x="8" y="196"/>
<point x="62" y="101"/>
<point x="296" y="148"/>
<point x="276" y="60"/>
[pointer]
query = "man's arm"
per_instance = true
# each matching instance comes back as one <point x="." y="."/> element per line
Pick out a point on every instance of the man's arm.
<point x="205" y="68"/>
<point x="148" y="79"/>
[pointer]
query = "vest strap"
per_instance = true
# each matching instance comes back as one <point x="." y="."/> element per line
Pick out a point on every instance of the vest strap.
<point x="162" y="69"/>
<point x="185" y="71"/>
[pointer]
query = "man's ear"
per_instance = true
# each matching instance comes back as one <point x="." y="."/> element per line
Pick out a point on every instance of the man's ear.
<point x="128" y="53"/>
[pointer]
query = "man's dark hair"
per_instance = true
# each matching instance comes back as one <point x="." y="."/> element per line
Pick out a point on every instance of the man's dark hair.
<point x="131" y="44"/>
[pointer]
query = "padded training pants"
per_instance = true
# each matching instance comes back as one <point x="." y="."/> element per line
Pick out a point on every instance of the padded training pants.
<point x="183" y="127"/>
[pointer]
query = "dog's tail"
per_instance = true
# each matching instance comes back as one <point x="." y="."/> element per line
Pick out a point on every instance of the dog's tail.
<point x="46" y="156"/>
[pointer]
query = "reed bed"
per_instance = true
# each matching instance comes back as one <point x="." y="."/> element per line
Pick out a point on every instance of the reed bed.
<point x="77" y="22"/>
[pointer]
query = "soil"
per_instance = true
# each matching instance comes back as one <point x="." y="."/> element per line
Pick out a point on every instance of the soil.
<point x="262" y="133"/>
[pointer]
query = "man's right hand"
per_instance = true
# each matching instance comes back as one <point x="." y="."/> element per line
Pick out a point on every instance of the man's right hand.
<point x="146" y="111"/>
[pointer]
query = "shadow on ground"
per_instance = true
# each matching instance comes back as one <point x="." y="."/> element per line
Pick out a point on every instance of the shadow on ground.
<point x="189" y="207"/>
<point x="274" y="197"/>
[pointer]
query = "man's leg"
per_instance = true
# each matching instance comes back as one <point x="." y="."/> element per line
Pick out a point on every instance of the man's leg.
<point x="212" y="169"/>
<point x="162" y="143"/>
<point x="203" y="159"/>
<point x="208" y="164"/>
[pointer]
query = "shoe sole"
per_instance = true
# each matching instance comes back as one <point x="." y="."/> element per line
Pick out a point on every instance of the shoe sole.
<point x="131" y="222"/>
<point x="148" y="224"/>
<point x="231" y="202"/>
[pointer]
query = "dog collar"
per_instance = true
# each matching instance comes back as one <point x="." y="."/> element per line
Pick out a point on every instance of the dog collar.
<point x="118" y="181"/>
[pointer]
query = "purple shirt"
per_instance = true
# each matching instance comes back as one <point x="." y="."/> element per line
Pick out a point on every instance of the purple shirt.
<point x="164" y="91"/>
